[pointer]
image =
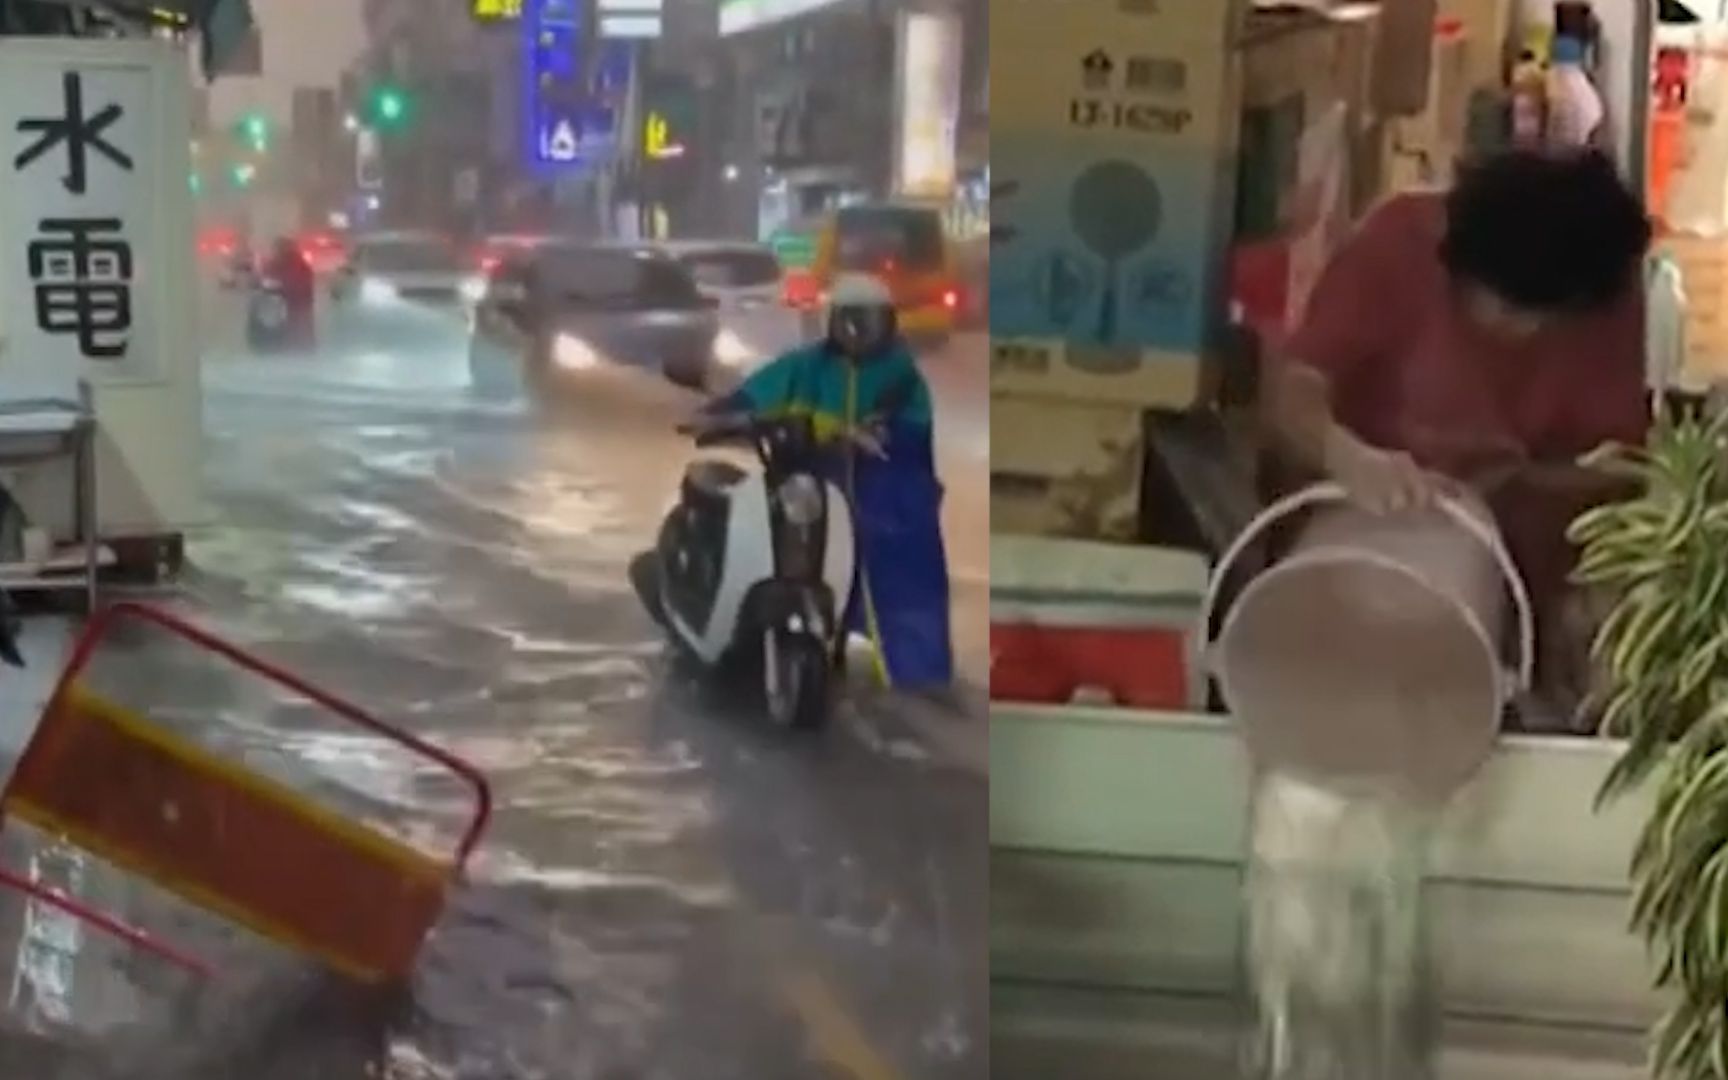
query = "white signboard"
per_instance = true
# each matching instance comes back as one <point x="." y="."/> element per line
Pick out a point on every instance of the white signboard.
<point x="78" y="286"/>
<point x="737" y="16"/>
<point x="929" y="95"/>
<point x="631" y="20"/>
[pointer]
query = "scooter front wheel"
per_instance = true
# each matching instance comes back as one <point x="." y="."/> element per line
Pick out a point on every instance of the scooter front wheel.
<point x="795" y="684"/>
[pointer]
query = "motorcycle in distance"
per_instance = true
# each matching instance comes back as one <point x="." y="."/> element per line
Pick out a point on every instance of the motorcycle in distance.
<point x="272" y="324"/>
<point x="752" y="570"/>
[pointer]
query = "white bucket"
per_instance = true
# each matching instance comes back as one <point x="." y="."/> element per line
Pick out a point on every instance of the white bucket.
<point x="1369" y="659"/>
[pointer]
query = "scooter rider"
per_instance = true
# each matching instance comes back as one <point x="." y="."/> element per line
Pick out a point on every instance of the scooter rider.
<point x="293" y="273"/>
<point x="867" y="400"/>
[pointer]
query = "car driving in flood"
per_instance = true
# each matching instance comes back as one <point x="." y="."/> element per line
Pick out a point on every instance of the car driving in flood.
<point x="418" y="267"/>
<point x="559" y="313"/>
<point x="747" y="282"/>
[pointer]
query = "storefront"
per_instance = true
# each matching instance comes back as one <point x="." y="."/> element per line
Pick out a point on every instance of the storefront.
<point x="1687" y="170"/>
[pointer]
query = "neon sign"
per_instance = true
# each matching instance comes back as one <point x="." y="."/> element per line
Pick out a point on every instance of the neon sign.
<point x="657" y="139"/>
<point x="496" y="10"/>
<point x="574" y="90"/>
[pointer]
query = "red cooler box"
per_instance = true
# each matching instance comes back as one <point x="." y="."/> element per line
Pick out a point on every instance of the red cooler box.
<point x="1075" y="618"/>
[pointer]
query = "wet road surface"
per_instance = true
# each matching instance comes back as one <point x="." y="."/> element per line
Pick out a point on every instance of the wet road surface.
<point x="669" y="890"/>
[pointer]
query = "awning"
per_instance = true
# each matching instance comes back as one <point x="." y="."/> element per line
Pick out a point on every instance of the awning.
<point x="225" y="27"/>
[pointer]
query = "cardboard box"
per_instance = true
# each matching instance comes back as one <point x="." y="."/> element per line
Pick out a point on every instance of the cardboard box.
<point x="1298" y="68"/>
<point x="1060" y="469"/>
<point x="1425" y="148"/>
<point x="1113" y="176"/>
<point x="1067" y="372"/>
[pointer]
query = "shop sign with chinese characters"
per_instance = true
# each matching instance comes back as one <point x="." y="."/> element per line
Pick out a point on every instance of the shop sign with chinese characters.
<point x="76" y="232"/>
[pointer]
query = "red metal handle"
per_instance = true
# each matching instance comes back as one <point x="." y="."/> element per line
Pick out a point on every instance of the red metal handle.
<point x="92" y="636"/>
<point x="81" y="911"/>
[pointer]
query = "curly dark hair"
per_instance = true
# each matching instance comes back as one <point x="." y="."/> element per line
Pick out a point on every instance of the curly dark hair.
<point x="1546" y="232"/>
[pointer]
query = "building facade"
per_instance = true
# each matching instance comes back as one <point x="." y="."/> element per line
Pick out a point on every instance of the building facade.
<point x="442" y="160"/>
<point x="814" y="105"/>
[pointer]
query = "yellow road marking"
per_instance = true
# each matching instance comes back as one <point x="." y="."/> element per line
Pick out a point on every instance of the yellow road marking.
<point x="832" y="1029"/>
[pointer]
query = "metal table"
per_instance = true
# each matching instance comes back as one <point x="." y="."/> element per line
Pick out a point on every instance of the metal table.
<point x="34" y="431"/>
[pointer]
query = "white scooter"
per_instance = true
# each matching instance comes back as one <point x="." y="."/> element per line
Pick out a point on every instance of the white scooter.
<point x="752" y="570"/>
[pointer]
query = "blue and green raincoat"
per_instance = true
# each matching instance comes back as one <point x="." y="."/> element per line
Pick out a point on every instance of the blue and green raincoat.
<point x="900" y="595"/>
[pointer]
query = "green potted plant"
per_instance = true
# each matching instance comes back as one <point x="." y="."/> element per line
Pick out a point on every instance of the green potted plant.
<point x="1663" y="653"/>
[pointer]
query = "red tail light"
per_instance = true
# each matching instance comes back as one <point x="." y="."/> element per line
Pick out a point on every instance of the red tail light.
<point x="489" y="263"/>
<point x="802" y="291"/>
<point x="951" y="299"/>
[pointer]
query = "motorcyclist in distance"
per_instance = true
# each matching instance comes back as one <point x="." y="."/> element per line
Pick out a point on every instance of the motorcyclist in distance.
<point x="293" y="273"/>
<point x="867" y="400"/>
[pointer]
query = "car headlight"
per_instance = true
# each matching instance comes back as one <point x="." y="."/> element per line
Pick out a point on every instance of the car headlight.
<point x="474" y="289"/>
<point x="732" y="350"/>
<point x="800" y="500"/>
<point x="571" y="353"/>
<point x="374" y="291"/>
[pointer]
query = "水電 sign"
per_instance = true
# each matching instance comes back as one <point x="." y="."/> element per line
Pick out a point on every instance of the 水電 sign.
<point x="75" y="230"/>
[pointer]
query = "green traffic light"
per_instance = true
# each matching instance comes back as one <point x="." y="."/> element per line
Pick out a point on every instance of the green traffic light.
<point x="255" y="129"/>
<point x="389" y="106"/>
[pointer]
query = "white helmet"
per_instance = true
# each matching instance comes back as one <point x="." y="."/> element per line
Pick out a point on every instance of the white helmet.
<point x="861" y="316"/>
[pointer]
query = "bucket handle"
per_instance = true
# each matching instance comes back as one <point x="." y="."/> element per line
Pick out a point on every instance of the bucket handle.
<point x="1331" y="492"/>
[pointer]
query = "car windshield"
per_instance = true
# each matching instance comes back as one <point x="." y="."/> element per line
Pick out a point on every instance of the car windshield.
<point x="408" y="256"/>
<point x="876" y="238"/>
<point x="614" y="278"/>
<point x="732" y="268"/>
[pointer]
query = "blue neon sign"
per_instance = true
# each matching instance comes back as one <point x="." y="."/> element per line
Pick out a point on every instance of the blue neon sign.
<point x="570" y="114"/>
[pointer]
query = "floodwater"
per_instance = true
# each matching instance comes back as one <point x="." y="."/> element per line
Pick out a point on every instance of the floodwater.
<point x="667" y="890"/>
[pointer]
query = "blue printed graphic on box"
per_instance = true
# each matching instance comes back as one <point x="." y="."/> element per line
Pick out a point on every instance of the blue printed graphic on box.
<point x="1092" y="244"/>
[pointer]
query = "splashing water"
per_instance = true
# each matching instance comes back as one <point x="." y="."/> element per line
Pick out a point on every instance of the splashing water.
<point x="1336" y="936"/>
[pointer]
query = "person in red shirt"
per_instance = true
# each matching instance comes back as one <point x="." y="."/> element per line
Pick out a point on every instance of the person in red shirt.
<point x="1487" y="336"/>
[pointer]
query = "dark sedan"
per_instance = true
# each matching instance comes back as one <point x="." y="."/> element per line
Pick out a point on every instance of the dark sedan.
<point x="561" y="312"/>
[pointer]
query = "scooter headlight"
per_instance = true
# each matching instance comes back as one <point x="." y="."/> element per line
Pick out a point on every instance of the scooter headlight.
<point x="801" y="501"/>
<point x="571" y="353"/>
<point x="732" y="350"/>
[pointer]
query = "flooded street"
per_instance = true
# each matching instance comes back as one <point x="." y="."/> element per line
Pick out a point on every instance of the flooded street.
<point x="668" y="889"/>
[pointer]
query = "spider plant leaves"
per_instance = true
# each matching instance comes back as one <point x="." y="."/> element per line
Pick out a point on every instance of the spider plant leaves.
<point x="1663" y="556"/>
